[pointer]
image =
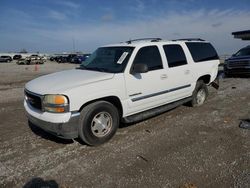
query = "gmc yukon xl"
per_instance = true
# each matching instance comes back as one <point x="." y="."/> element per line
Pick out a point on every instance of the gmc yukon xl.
<point x="124" y="82"/>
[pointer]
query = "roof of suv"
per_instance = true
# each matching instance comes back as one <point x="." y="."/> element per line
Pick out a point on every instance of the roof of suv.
<point x="150" y="41"/>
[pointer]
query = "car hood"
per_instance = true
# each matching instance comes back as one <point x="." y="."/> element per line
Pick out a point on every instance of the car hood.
<point x="59" y="82"/>
<point x="240" y="58"/>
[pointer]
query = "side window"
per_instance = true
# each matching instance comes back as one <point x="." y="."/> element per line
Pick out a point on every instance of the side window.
<point x="175" y="55"/>
<point x="150" y="56"/>
<point x="201" y="51"/>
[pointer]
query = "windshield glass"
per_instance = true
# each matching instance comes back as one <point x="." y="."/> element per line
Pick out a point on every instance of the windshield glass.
<point x="108" y="59"/>
<point x="243" y="52"/>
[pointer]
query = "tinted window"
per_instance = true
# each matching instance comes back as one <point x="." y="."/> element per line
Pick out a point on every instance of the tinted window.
<point x="150" y="56"/>
<point x="243" y="52"/>
<point x="202" y="51"/>
<point x="175" y="55"/>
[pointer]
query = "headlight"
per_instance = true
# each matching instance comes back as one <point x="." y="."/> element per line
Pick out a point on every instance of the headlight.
<point x="55" y="103"/>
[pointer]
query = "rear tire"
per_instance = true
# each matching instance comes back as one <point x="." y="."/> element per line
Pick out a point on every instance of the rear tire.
<point x="98" y="123"/>
<point x="200" y="94"/>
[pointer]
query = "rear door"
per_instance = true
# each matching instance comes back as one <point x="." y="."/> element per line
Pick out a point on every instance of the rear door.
<point x="179" y="72"/>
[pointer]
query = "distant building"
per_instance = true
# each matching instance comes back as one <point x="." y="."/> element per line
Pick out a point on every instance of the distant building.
<point x="243" y="35"/>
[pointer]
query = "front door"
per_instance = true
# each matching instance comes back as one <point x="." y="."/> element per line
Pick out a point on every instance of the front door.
<point x="147" y="90"/>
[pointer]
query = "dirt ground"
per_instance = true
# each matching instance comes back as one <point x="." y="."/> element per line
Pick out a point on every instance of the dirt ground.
<point x="199" y="147"/>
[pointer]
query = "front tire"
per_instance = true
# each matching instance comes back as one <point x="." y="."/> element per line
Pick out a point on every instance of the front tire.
<point x="200" y="94"/>
<point x="98" y="123"/>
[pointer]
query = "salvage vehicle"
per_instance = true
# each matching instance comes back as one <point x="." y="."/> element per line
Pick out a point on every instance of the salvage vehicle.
<point x="124" y="82"/>
<point x="239" y="63"/>
<point x="80" y="58"/>
<point x="23" y="61"/>
<point x="17" y="57"/>
<point x="70" y="57"/>
<point x="34" y="57"/>
<point x="61" y="59"/>
<point x="29" y="61"/>
<point x="5" y="58"/>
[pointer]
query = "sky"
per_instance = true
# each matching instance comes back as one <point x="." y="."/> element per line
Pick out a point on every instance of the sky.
<point x="52" y="26"/>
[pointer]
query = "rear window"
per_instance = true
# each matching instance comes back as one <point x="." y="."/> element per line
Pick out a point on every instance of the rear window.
<point x="202" y="51"/>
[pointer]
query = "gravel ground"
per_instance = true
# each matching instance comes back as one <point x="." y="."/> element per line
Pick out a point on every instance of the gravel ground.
<point x="185" y="147"/>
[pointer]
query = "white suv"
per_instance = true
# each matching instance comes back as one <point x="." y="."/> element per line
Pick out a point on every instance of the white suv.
<point x="126" y="82"/>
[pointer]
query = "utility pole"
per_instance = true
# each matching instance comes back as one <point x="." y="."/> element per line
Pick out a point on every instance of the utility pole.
<point x="73" y="41"/>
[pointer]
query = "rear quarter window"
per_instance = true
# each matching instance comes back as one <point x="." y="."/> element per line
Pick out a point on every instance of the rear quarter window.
<point x="202" y="51"/>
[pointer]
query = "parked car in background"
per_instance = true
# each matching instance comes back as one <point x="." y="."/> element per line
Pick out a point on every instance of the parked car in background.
<point x="71" y="57"/>
<point x="23" y="61"/>
<point x="16" y="57"/>
<point x="34" y="57"/>
<point x="86" y="56"/>
<point x="29" y="61"/>
<point x="239" y="63"/>
<point x="80" y="58"/>
<point x="5" y="58"/>
<point x="52" y="58"/>
<point x="37" y="61"/>
<point x="61" y="59"/>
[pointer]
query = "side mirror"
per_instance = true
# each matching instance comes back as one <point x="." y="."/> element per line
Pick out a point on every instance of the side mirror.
<point x="139" y="68"/>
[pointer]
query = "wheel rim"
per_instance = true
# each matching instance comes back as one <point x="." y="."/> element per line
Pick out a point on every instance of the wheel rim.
<point x="101" y="124"/>
<point x="201" y="96"/>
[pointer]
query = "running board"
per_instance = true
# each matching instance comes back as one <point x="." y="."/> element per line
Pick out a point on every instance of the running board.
<point x="155" y="111"/>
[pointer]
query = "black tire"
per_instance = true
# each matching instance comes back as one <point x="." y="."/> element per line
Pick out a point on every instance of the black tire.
<point x="88" y="127"/>
<point x="200" y="94"/>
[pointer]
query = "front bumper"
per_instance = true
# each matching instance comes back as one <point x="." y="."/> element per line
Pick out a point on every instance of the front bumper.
<point x="65" y="129"/>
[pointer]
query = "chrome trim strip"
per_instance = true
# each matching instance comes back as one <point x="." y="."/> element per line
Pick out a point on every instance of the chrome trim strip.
<point x="160" y="93"/>
<point x="132" y="95"/>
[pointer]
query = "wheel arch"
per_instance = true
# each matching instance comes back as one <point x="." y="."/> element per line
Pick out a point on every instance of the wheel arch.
<point x="112" y="99"/>
<point x="206" y="78"/>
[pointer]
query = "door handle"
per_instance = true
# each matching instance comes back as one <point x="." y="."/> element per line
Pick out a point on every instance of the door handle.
<point x="164" y="76"/>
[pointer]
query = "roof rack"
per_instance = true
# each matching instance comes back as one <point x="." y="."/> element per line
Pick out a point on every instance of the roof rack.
<point x="190" y="39"/>
<point x="150" y="39"/>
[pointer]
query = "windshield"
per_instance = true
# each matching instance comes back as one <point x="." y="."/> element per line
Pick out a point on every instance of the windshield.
<point x="243" y="52"/>
<point x="108" y="59"/>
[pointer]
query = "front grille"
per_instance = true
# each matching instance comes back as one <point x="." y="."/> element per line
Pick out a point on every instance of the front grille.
<point x="34" y="100"/>
<point x="239" y="64"/>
